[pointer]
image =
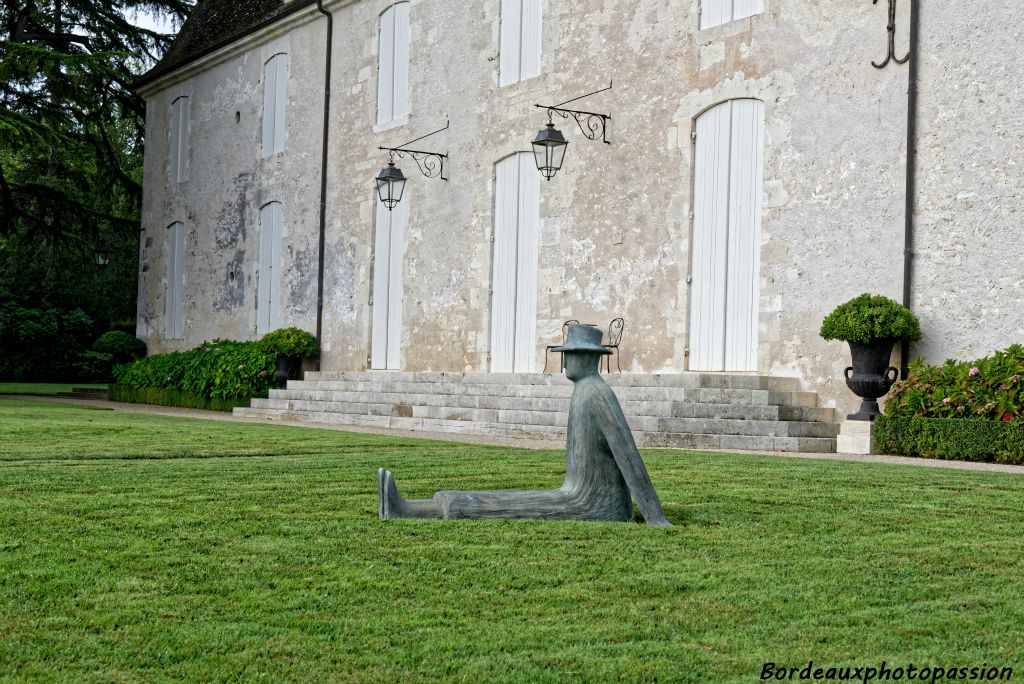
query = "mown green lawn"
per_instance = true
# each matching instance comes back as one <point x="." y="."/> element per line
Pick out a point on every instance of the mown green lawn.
<point x="42" y="389"/>
<point x="146" y="548"/>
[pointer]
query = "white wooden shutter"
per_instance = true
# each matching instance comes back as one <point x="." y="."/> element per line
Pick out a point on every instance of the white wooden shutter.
<point x="388" y="268"/>
<point x="275" y="98"/>
<point x="173" y="319"/>
<point x="529" y="63"/>
<point x="746" y="8"/>
<point x="528" y="244"/>
<point x="727" y="237"/>
<point x="710" y="211"/>
<point x="393" y="64"/>
<point x="718" y="12"/>
<point x="401" y="77"/>
<point x="179" y="142"/>
<point x="747" y="145"/>
<point x="268" y="285"/>
<point x="504" y="268"/>
<point x="386" y="67"/>
<point x="509" y="52"/>
<point x="514" y="271"/>
<point x="521" y="31"/>
<point x="715" y="12"/>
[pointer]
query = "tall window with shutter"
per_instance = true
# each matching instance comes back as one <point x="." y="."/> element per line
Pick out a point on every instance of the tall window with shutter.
<point x="174" y="328"/>
<point x="514" y="271"/>
<point x="388" y="262"/>
<point x="521" y="24"/>
<point x="393" y="65"/>
<point x="718" y="12"/>
<point x="268" y="286"/>
<point x="727" y="237"/>
<point x="179" y="139"/>
<point x="275" y="96"/>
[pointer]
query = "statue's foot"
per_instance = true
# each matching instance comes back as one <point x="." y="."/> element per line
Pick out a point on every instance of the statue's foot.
<point x="390" y="500"/>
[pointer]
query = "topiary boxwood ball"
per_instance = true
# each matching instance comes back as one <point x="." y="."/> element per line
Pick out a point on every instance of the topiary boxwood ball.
<point x="870" y="317"/>
<point x="290" y="342"/>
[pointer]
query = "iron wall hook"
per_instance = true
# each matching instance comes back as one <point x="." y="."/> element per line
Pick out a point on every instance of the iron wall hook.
<point x="891" y="28"/>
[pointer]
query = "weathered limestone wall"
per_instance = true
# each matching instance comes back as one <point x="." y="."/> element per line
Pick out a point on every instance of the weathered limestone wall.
<point x="616" y="220"/>
<point x="228" y="182"/>
<point x="969" y="265"/>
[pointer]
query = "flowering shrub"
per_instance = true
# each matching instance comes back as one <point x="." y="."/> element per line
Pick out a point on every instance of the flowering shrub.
<point x="870" y="317"/>
<point x="989" y="388"/>
<point x="220" y="369"/>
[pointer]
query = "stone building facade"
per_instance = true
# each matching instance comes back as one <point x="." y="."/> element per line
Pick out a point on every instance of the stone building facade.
<point x="764" y="119"/>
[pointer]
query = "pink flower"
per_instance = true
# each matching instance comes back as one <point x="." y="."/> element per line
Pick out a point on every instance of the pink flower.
<point x="975" y="371"/>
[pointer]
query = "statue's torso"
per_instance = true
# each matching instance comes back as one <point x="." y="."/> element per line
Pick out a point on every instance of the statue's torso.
<point x="590" y="468"/>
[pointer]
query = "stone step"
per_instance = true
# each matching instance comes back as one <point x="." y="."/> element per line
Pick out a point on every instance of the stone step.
<point x="412" y="393"/>
<point x="482" y="408"/>
<point x="555" y="418"/>
<point x="548" y="433"/>
<point x="680" y="380"/>
<point x="763" y="428"/>
<point x="551" y="418"/>
<point x="816" y="445"/>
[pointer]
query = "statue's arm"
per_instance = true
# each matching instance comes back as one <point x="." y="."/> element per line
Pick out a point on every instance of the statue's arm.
<point x="623" y="447"/>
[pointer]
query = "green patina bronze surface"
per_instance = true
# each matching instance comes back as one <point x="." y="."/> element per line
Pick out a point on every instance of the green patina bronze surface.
<point x="603" y="467"/>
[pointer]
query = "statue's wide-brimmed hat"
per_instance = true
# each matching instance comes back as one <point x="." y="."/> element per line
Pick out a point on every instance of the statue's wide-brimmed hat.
<point x="583" y="338"/>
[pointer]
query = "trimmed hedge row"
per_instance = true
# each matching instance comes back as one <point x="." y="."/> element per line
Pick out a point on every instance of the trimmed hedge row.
<point x="961" y="439"/>
<point x="170" y="397"/>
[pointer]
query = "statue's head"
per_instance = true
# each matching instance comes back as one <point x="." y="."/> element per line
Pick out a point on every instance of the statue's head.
<point x="582" y="351"/>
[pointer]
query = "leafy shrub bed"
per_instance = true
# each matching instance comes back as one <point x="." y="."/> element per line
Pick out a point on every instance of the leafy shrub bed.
<point x="962" y="439"/>
<point x="987" y="388"/>
<point x="170" y="397"/>
<point x="217" y="370"/>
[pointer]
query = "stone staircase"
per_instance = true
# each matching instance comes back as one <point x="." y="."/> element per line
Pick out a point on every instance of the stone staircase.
<point x="686" y="410"/>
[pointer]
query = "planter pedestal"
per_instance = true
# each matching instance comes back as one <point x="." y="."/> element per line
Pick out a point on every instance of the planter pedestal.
<point x="287" y="369"/>
<point x="856" y="437"/>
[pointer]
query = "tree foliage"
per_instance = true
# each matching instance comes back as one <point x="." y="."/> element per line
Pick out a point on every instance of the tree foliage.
<point x="71" y="150"/>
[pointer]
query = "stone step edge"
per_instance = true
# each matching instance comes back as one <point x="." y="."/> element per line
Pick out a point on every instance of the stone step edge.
<point x="667" y="408"/>
<point x="694" y="380"/>
<point x="796" y="398"/>
<point x="644" y="439"/>
<point x="526" y="415"/>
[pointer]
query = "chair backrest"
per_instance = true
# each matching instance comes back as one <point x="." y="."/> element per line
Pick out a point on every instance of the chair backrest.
<point x="565" y="328"/>
<point x="615" y="331"/>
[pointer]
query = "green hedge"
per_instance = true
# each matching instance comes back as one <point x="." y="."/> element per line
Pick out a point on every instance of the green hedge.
<point x="961" y="439"/>
<point x="170" y="397"/>
<point x="220" y="369"/>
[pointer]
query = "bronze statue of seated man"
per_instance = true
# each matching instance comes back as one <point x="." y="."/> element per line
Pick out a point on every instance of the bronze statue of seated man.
<point x="602" y="464"/>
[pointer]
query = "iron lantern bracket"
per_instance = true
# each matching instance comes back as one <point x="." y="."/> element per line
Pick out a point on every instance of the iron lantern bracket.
<point x="430" y="164"/>
<point x="593" y="125"/>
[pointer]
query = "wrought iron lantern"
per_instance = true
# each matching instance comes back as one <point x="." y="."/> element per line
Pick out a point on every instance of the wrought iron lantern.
<point x="390" y="184"/>
<point x="549" y="150"/>
<point x="549" y="145"/>
<point x="102" y="254"/>
<point x="391" y="181"/>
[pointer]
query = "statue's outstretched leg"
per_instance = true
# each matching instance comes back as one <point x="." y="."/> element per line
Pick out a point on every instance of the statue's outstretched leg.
<point x="392" y="505"/>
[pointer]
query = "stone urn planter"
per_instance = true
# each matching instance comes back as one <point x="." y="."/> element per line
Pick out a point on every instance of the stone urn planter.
<point x="871" y="325"/>
<point x="870" y="376"/>
<point x="290" y="346"/>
